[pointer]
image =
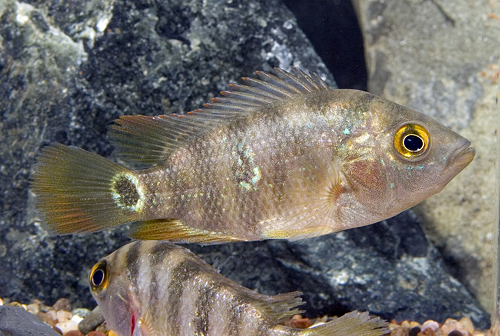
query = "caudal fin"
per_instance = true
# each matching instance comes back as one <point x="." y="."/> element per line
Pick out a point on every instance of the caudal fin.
<point x="78" y="191"/>
<point x="351" y="324"/>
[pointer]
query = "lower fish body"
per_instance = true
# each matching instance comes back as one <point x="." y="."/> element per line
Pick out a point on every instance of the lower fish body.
<point x="157" y="288"/>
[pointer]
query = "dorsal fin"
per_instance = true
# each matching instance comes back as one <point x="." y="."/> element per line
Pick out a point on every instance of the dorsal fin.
<point x="279" y="307"/>
<point x="150" y="140"/>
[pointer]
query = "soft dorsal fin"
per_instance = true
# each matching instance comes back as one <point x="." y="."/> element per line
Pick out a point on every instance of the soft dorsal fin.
<point x="150" y="140"/>
<point x="279" y="307"/>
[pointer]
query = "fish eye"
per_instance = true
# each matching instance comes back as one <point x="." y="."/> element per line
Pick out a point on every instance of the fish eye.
<point x="411" y="141"/>
<point x="98" y="276"/>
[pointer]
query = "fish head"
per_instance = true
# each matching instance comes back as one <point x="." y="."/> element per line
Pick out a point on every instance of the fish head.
<point x="401" y="158"/>
<point x="111" y="290"/>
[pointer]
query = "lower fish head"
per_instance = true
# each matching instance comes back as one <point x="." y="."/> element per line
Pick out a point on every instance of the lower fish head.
<point x="111" y="291"/>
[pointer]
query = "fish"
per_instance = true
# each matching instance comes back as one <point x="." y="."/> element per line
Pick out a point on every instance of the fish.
<point x="281" y="156"/>
<point x="151" y="287"/>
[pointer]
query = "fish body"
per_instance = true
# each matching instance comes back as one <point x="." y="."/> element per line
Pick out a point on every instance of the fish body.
<point x="280" y="157"/>
<point x="158" y="288"/>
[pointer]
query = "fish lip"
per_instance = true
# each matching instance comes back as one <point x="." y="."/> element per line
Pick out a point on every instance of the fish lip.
<point x="462" y="156"/>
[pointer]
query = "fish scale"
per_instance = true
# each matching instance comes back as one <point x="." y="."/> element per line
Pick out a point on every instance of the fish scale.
<point x="278" y="157"/>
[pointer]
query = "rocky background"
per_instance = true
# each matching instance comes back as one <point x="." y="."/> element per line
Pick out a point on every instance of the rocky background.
<point x="69" y="68"/>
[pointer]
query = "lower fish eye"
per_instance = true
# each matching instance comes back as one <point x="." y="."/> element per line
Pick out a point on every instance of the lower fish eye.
<point x="98" y="276"/>
<point x="411" y="141"/>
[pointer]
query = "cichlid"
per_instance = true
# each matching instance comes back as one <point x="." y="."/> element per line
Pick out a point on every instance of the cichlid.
<point x="158" y="288"/>
<point x="280" y="157"/>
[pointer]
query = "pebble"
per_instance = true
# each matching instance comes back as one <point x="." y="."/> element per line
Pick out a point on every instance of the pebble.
<point x="33" y="308"/>
<point x="91" y="321"/>
<point x="63" y="316"/>
<point x="47" y="318"/>
<point x="66" y="326"/>
<point x="62" y="304"/>
<point x="452" y="325"/>
<point x="82" y="312"/>
<point x="98" y="333"/>
<point x="74" y="333"/>
<point x="430" y="324"/>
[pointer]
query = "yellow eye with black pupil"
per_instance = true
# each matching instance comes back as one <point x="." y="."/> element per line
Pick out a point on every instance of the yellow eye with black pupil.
<point x="411" y="141"/>
<point x="98" y="276"/>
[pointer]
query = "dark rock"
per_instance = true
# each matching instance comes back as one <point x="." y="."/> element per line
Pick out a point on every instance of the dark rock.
<point x="15" y="321"/>
<point x="131" y="57"/>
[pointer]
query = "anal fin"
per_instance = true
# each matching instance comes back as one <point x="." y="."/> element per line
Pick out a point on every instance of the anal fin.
<point x="174" y="230"/>
<point x="297" y="234"/>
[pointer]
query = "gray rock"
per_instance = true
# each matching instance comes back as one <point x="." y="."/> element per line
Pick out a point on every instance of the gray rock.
<point x="91" y="321"/>
<point x="15" y="321"/>
<point x="68" y="68"/>
<point x="441" y="57"/>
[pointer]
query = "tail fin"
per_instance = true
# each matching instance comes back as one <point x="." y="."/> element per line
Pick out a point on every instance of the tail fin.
<point x="351" y="324"/>
<point x="78" y="191"/>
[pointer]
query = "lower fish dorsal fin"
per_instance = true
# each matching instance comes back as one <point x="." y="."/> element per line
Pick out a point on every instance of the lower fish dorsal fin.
<point x="279" y="307"/>
<point x="148" y="140"/>
<point x="175" y="231"/>
<point x="352" y="324"/>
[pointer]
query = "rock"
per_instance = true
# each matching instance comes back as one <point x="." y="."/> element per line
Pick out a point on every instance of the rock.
<point x="62" y="304"/>
<point x="15" y="321"/>
<point x="98" y="333"/>
<point x="66" y="326"/>
<point x="442" y="58"/>
<point x="63" y="316"/>
<point x="91" y="321"/>
<point x="47" y="318"/>
<point x="97" y="62"/>
<point x="74" y="333"/>
<point x="80" y="312"/>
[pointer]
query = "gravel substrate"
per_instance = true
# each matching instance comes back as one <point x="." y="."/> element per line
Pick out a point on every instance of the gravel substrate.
<point x="83" y="322"/>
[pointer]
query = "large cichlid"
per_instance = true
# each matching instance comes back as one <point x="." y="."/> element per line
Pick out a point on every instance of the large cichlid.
<point x="152" y="288"/>
<point x="280" y="157"/>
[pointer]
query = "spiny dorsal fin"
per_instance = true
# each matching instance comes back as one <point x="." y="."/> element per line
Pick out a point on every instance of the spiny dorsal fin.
<point x="175" y="231"/>
<point x="150" y="140"/>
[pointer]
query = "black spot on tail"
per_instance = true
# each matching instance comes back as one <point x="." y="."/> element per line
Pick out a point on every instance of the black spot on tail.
<point x="126" y="190"/>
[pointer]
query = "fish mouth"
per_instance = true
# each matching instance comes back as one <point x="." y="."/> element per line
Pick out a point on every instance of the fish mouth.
<point x="462" y="156"/>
